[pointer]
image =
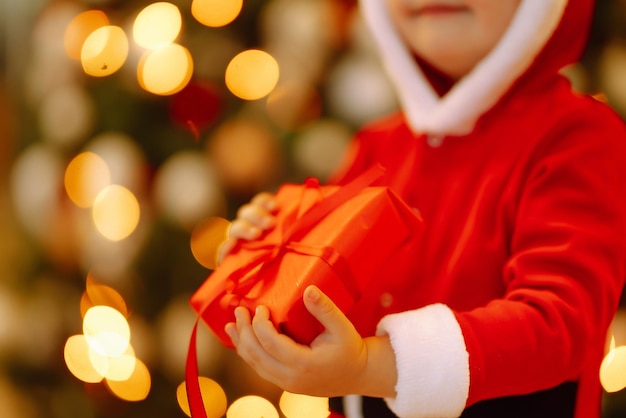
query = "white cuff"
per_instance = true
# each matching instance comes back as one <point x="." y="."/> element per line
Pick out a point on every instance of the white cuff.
<point x="432" y="363"/>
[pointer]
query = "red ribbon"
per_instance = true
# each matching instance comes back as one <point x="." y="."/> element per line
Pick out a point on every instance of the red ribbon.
<point x="269" y="252"/>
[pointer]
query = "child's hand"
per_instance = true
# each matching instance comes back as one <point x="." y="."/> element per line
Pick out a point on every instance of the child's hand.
<point x="252" y="219"/>
<point x="338" y="362"/>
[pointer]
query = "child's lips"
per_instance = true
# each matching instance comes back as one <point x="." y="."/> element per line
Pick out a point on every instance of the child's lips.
<point x="437" y="9"/>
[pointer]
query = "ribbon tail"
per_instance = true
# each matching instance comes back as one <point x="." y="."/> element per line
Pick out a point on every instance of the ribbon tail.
<point x="194" y="396"/>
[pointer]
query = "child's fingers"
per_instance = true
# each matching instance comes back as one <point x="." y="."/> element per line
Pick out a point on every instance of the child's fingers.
<point x="325" y="311"/>
<point x="256" y="215"/>
<point x="243" y="229"/>
<point x="278" y="345"/>
<point x="250" y="350"/>
<point x="265" y="200"/>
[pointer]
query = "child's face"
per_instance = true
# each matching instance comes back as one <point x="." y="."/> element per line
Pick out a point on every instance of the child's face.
<point x="452" y="35"/>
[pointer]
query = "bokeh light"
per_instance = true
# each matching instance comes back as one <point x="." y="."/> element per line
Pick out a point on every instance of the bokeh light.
<point x="36" y="176"/>
<point x="613" y="369"/>
<point x="348" y="100"/>
<point x="116" y="212"/>
<point x="67" y="114"/>
<point x="79" y="30"/>
<point x="165" y="71"/>
<point x="157" y="25"/>
<point x="186" y="189"/>
<point x="303" y="406"/>
<point x="196" y="106"/>
<point x="319" y="149"/>
<point x="216" y="13"/>
<point x="84" y="363"/>
<point x="246" y="155"/>
<point x="252" y="74"/>
<point x="252" y="407"/>
<point x="134" y="389"/>
<point x="206" y="240"/>
<point x="611" y="66"/>
<point x="213" y="398"/>
<point x="97" y="294"/>
<point x="122" y="367"/>
<point x="85" y="177"/>
<point x="124" y="157"/>
<point x="106" y="330"/>
<point x="293" y="105"/>
<point x="105" y="51"/>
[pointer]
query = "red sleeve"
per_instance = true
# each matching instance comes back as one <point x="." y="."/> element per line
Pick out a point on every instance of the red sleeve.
<point x="565" y="276"/>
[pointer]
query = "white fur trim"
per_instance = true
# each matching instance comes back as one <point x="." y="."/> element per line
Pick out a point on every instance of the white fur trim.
<point x="432" y="363"/>
<point x="457" y="112"/>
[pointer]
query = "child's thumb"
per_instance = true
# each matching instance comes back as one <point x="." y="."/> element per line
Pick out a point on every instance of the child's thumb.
<point x="324" y="310"/>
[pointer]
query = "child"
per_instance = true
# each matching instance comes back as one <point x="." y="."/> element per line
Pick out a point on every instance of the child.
<point x="522" y="187"/>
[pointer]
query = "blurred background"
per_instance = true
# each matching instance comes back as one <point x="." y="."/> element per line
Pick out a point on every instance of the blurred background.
<point x="121" y="145"/>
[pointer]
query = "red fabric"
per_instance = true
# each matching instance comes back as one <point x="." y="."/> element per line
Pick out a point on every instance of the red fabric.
<point x="329" y="245"/>
<point x="524" y="237"/>
<point x="525" y="227"/>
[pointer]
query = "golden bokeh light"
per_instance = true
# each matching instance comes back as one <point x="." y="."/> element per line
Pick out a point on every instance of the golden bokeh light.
<point x="216" y="13"/>
<point x="157" y="25"/>
<point x="97" y="294"/>
<point x="207" y="238"/>
<point x="246" y="155"/>
<point x="134" y="389"/>
<point x="116" y="212"/>
<point x="213" y="398"/>
<point x="85" y="177"/>
<point x="121" y="368"/>
<point x="82" y="362"/>
<point x="252" y="74"/>
<point x="79" y="30"/>
<point x="303" y="406"/>
<point x="613" y="369"/>
<point x="106" y="331"/>
<point x="165" y="71"/>
<point x="252" y="407"/>
<point x="105" y="51"/>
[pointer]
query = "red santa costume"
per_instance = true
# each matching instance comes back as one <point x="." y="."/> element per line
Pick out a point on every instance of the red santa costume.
<point x="522" y="187"/>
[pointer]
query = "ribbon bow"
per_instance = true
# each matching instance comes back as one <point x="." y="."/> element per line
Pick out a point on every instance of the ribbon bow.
<point x="296" y="226"/>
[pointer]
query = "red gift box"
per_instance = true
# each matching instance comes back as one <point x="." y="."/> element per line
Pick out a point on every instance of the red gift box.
<point x="337" y="238"/>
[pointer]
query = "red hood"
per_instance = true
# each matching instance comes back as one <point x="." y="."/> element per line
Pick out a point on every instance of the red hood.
<point x="548" y="35"/>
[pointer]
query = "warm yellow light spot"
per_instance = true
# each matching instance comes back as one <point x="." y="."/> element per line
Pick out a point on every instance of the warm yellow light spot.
<point x="613" y="369"/>
<point x="86" y="175"/>
<point x="82" y="362"/>
<point x="97" y="294"/>
<point x="303" y="406"/>
<point x="104" y="51"/>
<point x="134" y="389"/>
<point x="252" y="407"/>
<point x="165" y="71"/>
<point x="79" y="30"/>
<point x="116" y="212"/>
<point x="252" y="74"/>
<point x="121" y="368"/>
<point x="206" y="239"/>
<point x="107" y="331"/>
<point x="213" y="398"/>
<point x="216" y="13"/>
<point x="157" y="25"/>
